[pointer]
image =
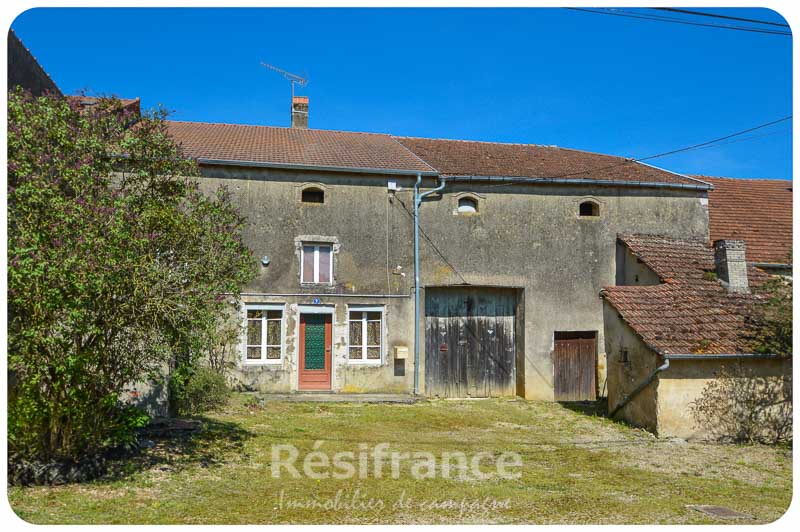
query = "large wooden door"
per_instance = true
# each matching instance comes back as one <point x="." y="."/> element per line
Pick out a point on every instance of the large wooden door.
<point x="575" y="366"/>
<point x="470" y="345"/>
<point x="315" y="351"/>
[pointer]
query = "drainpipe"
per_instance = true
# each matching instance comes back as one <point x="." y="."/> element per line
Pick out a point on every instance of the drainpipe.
<point x="639" y="388"/>
<point x="417" y="202"/>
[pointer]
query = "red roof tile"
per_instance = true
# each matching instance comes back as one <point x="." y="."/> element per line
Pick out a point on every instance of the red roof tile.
<point x="462" y="157"/>
<point x="690" y="312"/>
<point x="758" y="211"/>
<point x="278" y="145"/>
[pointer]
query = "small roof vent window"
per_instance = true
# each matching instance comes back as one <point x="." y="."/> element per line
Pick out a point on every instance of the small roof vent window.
<point x="589" y="208"/>
<point x="467" y="205"/>
<point x="313" y="195"/>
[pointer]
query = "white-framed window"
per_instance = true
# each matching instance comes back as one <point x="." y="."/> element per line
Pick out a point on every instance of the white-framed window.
<point x="365" y="335"/>
<point x="264" y="331"/>
<point x="316" y="263"/>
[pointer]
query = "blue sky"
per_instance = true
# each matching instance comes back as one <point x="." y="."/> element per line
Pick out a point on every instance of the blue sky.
<point x="546" y="76"/>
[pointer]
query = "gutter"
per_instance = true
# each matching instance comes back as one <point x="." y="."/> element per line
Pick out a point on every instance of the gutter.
<point x="417" y="202"/>
<point x="640" y="387"/>
<point x="772" y="265"/>
<point x="565" y="181"/>
<point x="685" y="356"/>
<point x="721" y="356"/>
<point x="314" y="167"/>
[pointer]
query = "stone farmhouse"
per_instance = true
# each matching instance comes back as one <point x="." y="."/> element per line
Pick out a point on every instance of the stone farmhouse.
<point x="533" y="271"/>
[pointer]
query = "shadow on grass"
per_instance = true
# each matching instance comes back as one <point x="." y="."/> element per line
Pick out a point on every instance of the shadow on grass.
<point x="173" y="445"/>
<point x="597" y="408"/>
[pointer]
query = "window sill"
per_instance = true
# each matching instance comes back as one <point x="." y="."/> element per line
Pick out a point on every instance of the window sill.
<point x="273" y="363"/>
<point x="354" y="362"/>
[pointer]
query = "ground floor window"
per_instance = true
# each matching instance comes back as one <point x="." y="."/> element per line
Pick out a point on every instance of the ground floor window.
<point x="264" y="334"/>
<point x="365" y="337"/>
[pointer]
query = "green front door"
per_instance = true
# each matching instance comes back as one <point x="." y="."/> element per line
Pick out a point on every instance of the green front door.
<point x="315" y="351"/>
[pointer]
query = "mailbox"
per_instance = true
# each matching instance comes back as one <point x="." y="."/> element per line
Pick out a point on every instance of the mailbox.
<point x="400" y="352"/>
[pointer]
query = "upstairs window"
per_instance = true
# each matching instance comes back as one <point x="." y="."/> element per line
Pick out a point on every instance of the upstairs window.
<point x="365" y="337"/>
<point x="589" y="208"/>
<point x="467" y="206"/>
<point x="316" y="264"/>
<point x="313" y="195"/>
<point x="264" y="334"/>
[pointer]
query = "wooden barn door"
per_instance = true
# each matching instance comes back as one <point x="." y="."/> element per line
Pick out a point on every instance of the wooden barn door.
<point x="315" y="351"/>
<point x="575" y="366"/>
<point x="470" y="347"/>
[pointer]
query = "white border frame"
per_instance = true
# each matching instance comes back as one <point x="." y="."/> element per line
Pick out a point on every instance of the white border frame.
<point x="366" y="361"/>
<point x="265" y="361"/>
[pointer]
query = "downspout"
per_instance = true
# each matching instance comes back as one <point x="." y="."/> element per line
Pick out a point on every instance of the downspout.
<point x="417" y="202"/>
<point x="639" y="388"/>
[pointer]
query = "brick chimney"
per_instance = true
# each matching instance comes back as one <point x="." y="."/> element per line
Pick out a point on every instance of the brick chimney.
<point x="731" y="265"/>
<point x="300" y="112"/>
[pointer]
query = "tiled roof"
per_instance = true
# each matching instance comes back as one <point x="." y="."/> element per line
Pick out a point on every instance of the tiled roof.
<point x="758" y="211"/>
<point x="690" y="312"/>
<point x="87" y="102"/>
<point x="307" y="147"/>
<point x="461" y="157"/>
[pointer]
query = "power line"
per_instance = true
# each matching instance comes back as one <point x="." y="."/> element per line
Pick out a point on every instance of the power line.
<point x="673" y="20"/>
<point x="726" y="137"/>
<point x="745" y="139"/>
<point x="714" y="15"/>
<point x="664" y="154"/>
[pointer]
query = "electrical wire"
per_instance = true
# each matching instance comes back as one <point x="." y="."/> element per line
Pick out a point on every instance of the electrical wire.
<point x="663" y="154"/>
<point x="673" y="20"/>
<point x="715" y="15"/>
<point x="435" y="248"/>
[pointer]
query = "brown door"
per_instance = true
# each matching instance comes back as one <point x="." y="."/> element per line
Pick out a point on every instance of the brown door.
<point x="575" y="366"/>
<point x="315" y="352"/>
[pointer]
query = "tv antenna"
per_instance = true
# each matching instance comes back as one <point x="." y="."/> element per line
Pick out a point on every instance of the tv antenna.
<point x="292" y="78"/>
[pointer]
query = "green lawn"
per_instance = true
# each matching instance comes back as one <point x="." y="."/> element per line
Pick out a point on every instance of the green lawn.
<point x="577" y="468"/>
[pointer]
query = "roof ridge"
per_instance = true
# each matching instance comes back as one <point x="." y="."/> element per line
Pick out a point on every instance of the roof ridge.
<point x="527" y="144"/>
<point x="279" y="127"/>
<point x="406" y="148"/>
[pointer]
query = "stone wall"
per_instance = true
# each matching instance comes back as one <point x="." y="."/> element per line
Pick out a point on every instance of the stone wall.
<point x="528" y="237"/>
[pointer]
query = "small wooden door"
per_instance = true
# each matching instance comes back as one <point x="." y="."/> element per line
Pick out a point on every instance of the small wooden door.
<point x="575" y="366"/>
<point x="315" y="351"/>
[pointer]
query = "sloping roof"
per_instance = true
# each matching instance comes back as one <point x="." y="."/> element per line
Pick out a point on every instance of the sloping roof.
<point x="25" y="71"/>
<point x="690" y="312"/>
<point x="758" y="211"/>
<point x="462" y="157"/>
<point x="294" y="147"/>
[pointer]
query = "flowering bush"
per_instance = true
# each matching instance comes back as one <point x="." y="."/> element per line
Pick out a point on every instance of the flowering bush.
<point x="116" y="265"/>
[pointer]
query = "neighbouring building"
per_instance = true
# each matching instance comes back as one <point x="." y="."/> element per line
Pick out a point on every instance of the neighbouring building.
<point x="25" y="71"/>
<point x="673" y="322"/>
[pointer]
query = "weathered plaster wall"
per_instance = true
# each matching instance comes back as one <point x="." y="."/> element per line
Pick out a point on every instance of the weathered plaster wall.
<point x="685" y="380"/>
<point x="624" y="377"/>
<point x="532" y="237"/>
<point x="529" y="237"/>
<point x="631" y="271"/>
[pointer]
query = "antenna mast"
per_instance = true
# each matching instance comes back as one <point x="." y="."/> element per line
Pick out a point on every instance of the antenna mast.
<point x="292" y="78"/>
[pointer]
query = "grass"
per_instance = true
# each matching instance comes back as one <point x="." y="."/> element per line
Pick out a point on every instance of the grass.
<point x="577" y="468"/>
